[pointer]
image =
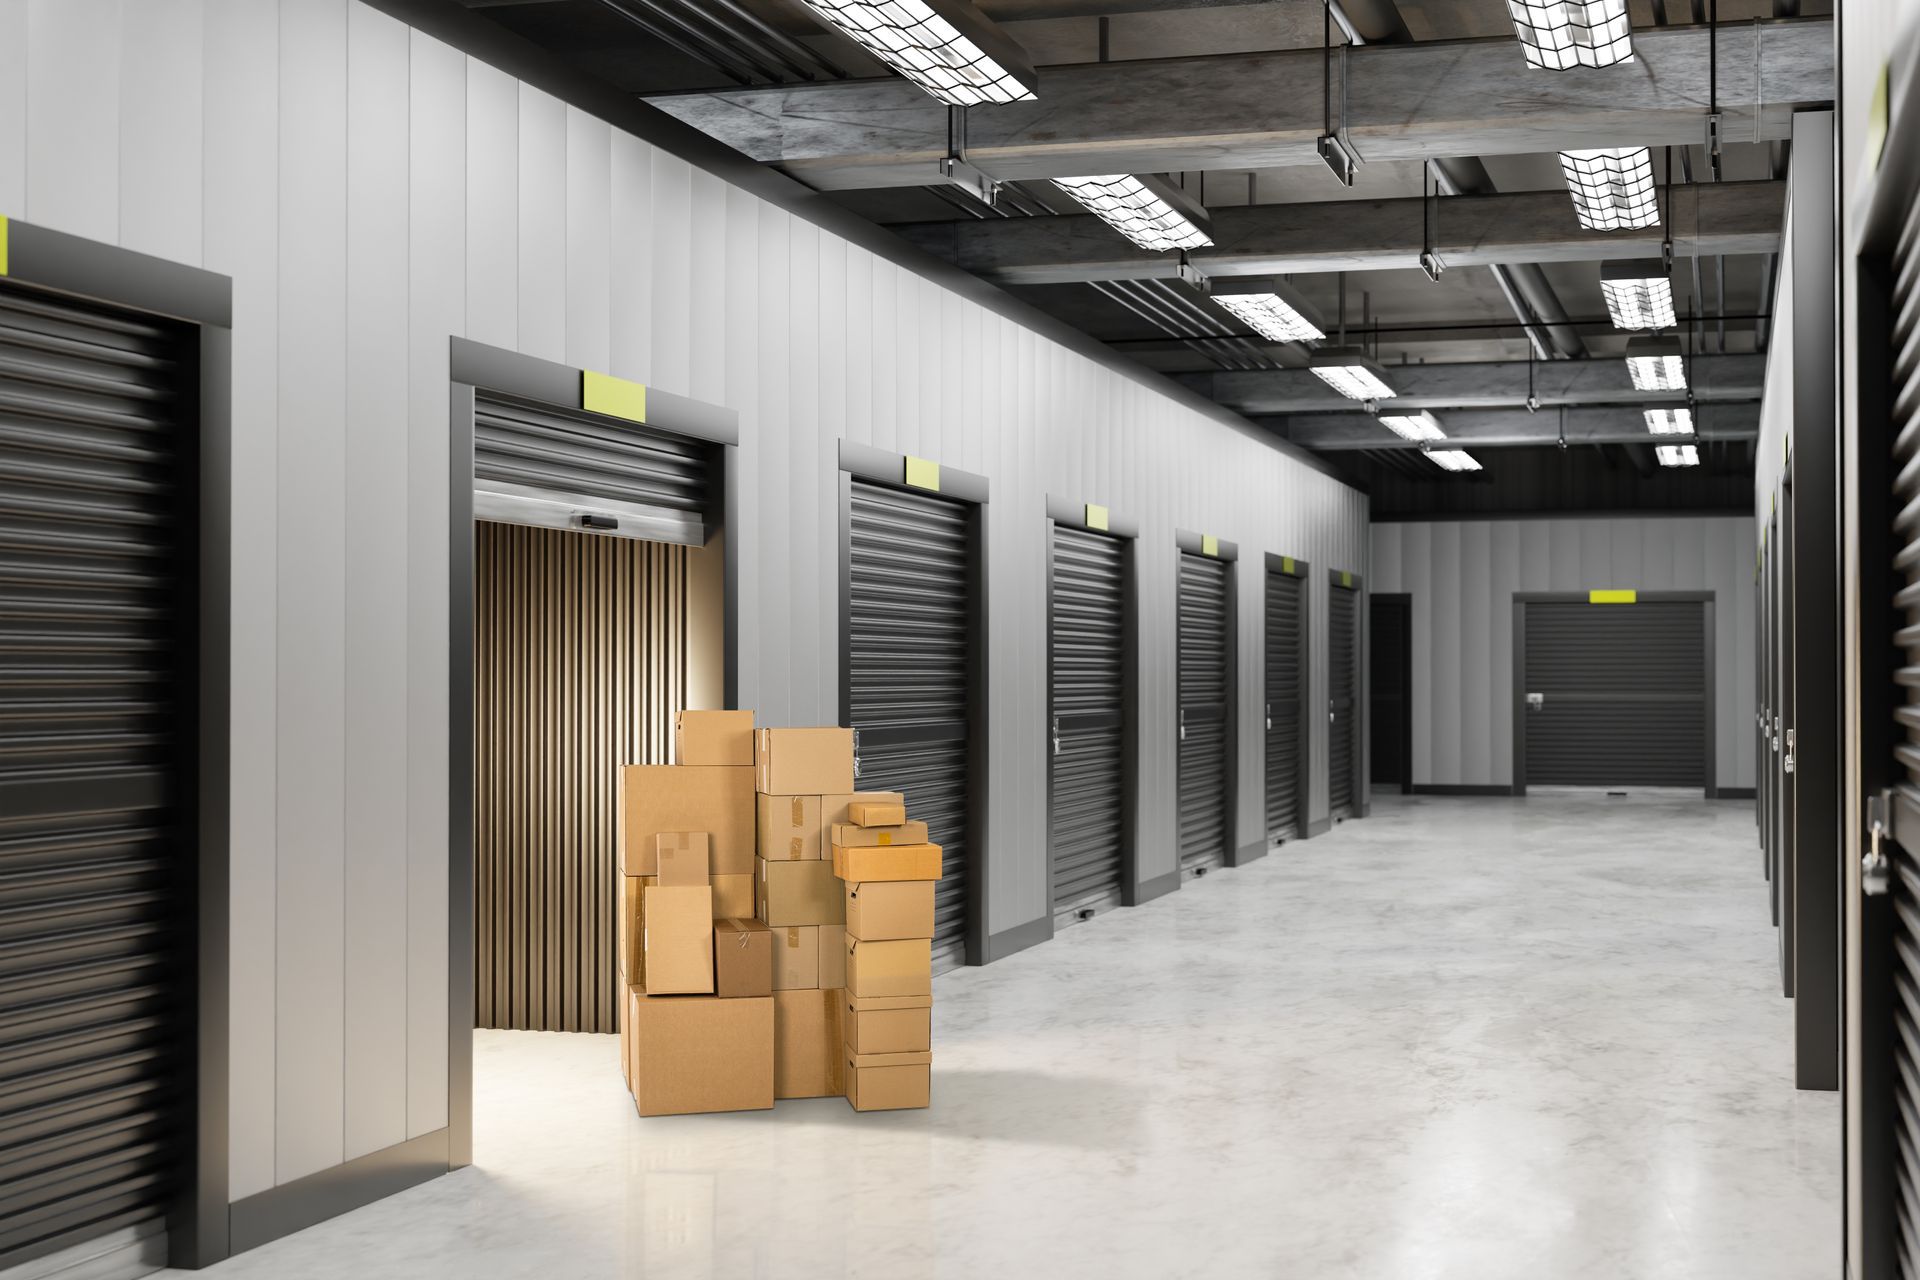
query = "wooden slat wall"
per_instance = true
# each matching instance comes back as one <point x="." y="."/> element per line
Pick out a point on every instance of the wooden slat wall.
<point x="579" y="665"/>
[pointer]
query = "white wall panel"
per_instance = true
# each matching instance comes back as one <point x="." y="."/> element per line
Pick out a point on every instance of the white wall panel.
<point x="73" y="117"/>
<point x="13" y="108"/>
<point x="589" y="213"/>
<point x="542" y="235"/>
<point x="493" y="205"/>
<point x="162" y="83"/>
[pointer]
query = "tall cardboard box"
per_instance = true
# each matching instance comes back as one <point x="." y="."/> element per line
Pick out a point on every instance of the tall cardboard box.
<point x="716" y="799"/>
<point x="887" y="1024"/>
<point x="902" y="968"/>
<point x="676" y="939"/>
<point x="803" y="762"/>
<point x="742" y="959"/>
<point x="887" y="910"/>
<point x="796" y="958"/>
<point x="889" y="1081"/>
<point x="799" y="893"/>
<point x="790" y="829"/>
<point x="808" y="1056"/>
<point x="713" y="738"/>
<point x="692" y="1054"/>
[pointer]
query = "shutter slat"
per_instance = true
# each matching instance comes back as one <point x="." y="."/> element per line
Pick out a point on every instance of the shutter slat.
<point x="1086" y="838"/>
<point x="1204" y="681"/>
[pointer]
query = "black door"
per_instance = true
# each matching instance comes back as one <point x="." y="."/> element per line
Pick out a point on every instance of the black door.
<point x="1286" y="704"/>
<point x="1783" y="777"/>
<point x="98" y="831"/>
<point x="1088" y="816"/>
<point x="1389" y="692"/>
<point x="911" y="640"/>
<point x="1343" y="698"/>
<point x="1205" y="686"/>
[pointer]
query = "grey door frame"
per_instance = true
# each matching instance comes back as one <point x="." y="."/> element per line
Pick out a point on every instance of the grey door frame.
<point x="1521" y="599"/>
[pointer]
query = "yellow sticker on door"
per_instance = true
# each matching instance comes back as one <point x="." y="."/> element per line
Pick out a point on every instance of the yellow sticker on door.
<point x="1612" y="597"/>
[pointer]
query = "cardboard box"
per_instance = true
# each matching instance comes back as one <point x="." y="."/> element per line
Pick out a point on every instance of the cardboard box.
<point x="699" y="1053"/>
<point x="852" y="837"/>
<point x="681" y="857"/>
<point x="676" y="937"/>
<point x="808" y="1056"/>
<point x="711" y="798"/>
<point x="713" y="738"/>
<point x="889" y="1081"/>
<point x="875" y="813"/>
<point x="887" y="910"/>
<point x="833" y="957"/>
<point x="799" y="893"/>
<point x="733" y="897"/>
<point x="742" y="959"/>
<point x="898" y="968"/>
<point x="833" y="808"/>
<point x="887" y="1024"/>
<point x="626" y="1038"/>
<point x="790" y="829"/>
<point x="628" y="926"/>
<point x="888" y="862"/>
<point x="796" y="958"/>
<point x="803" y="762"/>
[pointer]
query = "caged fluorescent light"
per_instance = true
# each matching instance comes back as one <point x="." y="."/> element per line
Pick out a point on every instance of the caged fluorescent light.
<point x="1670" y="422"/>
<point x="1677" y="455"/>
<point x="1413" y="426"/>
<point x="1263" y="307"/>
<point x="1453" y="459"/>
<point x="1561" y="34"/>
<point x="1656" y="364"/>
<point x="1638" y="293"/>
<point x="1612" y="188"/>
<point x="947" y="47"/>
<point x="1350" y="372"/>
<point x="1148" y="212"/>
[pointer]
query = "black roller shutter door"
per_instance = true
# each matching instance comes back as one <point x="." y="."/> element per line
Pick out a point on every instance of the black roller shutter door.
<point x="1087" y="816"/>
<point x="910" y="639"/>
<point x="1286" y="696"/>
<point x="1343" y="696"/>
<point x="1624" y="694"/>
<point x="98" y="841"/>
<point x="1204" y="688"/>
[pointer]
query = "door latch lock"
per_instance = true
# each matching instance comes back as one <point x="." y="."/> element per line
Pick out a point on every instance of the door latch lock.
<point x="1056" y="735"/>
<point x="1183" y="724"/>
<point x="856" y="753"/>
<point x="1873" y="865"/>
<point x="1536" y="701"/>
<point x="1786" y="762"/>
<point x="1269" y="714"/>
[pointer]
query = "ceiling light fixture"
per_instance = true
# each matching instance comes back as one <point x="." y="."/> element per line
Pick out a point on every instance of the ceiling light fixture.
<point x="1677" y="455"/>
<point x="947" y="47"/>
<point x="1267" y="307"/>
<point x="1656" y="364"/>
<point x="1612" y="188"/>
<point x="1351" y="372"/>
<point x="1454" y="459"/>
<point x="1147" y="211"/>
<point x="1638" y="293"/>
<point x="1413" y="426"/>
<point x="1670" y="422"/>
<point x="1560" y="34"/>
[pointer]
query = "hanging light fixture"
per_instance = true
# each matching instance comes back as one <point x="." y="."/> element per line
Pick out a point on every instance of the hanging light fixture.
<point x="1560" y="34"/>
<point x="1669" y="422"/>
<point x="1454" y="459"/>
<point x="1351" y="372"/>
<point x="1153" y="214"/>
<point x="1413" y="426"/>
<point x="947" y="47"/>
<point x="1677" y="455"/>
<point x="1266" y="307"/>
<point x="1656" y="364"/>
<point x="1612" y="188"/>
<point x="1638" y="294"/>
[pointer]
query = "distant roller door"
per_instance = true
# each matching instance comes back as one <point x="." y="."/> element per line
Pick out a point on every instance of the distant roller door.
<point x="912" y="633"/>
<point x="1614" y="695"/>
<point x="1286" y="695"/>
<point x="1343" y="698"/>
<point x="1088" y="814"/>
<point x="1205" y="690"/>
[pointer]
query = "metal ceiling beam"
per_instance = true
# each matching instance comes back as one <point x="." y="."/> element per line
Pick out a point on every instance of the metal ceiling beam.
<point x="1599" y="381"/>
<point x="1502" y="428"/>
<point x="1360" y="235"/>
<point x="1405" y="102"/>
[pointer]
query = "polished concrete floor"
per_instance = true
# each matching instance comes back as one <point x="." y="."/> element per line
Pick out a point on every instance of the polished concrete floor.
<point x="1463" y="1038"/>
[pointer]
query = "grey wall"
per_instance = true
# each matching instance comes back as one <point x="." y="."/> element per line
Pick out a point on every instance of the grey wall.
<point x="1462" y="575"/>
<point x="372" y="191"/>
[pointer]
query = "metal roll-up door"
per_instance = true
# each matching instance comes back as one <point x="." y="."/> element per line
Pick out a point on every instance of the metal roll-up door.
<point x="1343" y="696"/>
<point x="1621" y="694"/>
<point x="1087" y="814"/>
<point x="1285" y="702"/>
<point x="911" y="636"/>
<point x="1204" y="685"/>
<point x="98" y="836"/>
<point x="568" y="469"/>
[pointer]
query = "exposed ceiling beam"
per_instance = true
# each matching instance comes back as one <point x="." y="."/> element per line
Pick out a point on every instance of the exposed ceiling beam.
<point x="1360" y="235"/>
<point x="1482" y="386"/>
<point x="1499" y="428"/>
<point x="1260" y="110"/>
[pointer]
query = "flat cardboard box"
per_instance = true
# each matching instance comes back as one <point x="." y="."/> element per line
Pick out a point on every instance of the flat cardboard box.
<point x="799" y="893"/>
<point x="889" y="1081"/>
<point x="889" y="862"/>
<point x="681" y="857"/>
<point x="852" y="837"/>
<point x="733" y="897"/>
<point x="711" y="798"/>
<point x="903" y="967"/>
<point x="628" y="926"/>
<point x="790" y="829"/>
<point x="676" y="937"/>
<point x="874" y="813"/>
<point x="833" y="808"/>
<point x="796" y="958"/>
<point x="713" y="738"/>
<point x="888" y="1024"/>
<point x="699" y="1053"/>
<point x="888" y="910"/>
<point x="808" y="1056"/>
<point x="803" y="762"/>
<point x="742" y="959"/>
<point x="833" y="957"/>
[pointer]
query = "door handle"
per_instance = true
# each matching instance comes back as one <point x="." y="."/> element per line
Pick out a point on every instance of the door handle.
<point x="1183" y="724"/>
<point x="1536" y="701"/>
<point x="1056" y="735"/>
<point x="1873" y="863"/>
<point x="1269" y="714"/>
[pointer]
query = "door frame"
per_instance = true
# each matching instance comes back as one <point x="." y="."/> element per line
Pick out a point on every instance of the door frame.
<point x="1346" y="580"/>
<point x="1402" y="600"/>
<point x="1521" y="599"/>
<point x="1187" y="542"/>
<point x="1292" y="567"/>
<point x="1126" y="532"/>
<point x="878" y="466"/>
